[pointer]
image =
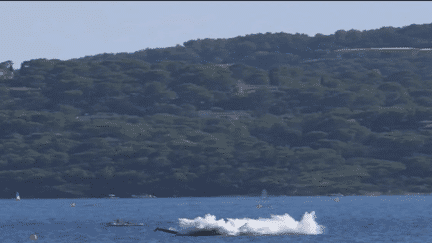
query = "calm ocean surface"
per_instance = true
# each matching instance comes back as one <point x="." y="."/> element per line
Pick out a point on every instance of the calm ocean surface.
<point x="352" y="219"/>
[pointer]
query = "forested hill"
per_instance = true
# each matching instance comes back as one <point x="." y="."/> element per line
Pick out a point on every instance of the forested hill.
<point x="285" y="112"/>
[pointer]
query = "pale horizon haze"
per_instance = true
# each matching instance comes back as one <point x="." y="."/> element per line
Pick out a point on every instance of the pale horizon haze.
<point x="67" y="30"/>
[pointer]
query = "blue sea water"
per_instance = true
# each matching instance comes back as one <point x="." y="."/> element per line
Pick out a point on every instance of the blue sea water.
<point x="316" y="219"/>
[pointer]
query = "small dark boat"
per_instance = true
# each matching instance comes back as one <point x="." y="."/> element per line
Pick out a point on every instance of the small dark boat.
<point x="112" y="196"/>
<point x="143" y="196"/>
<point x="166" y="231"/>
<point x="193" y="233"/>
<point x="118" y="222"/>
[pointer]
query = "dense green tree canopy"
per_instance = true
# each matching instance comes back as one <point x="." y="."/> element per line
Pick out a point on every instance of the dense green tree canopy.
<point x="224" y="116"/>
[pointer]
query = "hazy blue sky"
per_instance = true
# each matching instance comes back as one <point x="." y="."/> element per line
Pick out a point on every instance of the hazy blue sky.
<point x="65" y="30"/>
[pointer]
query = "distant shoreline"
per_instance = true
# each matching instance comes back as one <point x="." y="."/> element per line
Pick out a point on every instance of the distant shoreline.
<point x="369" y="194"/>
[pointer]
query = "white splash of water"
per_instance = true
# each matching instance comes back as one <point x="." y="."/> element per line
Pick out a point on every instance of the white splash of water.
<point x="275" y="225"/>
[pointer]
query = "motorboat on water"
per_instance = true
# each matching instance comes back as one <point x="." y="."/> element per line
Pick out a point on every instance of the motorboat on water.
<point x="73" y="204"/>
<point x="143" y="196"/>
<point x="119" y="222"/>
<point x="336" y="199"/>
<point x="112" y="196"/>
<point x="17" y="197"/>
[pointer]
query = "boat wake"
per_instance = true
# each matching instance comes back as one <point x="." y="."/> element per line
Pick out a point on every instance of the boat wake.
<point x="276" y="225"/>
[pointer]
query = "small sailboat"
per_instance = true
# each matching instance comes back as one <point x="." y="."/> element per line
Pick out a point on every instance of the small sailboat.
<point x="264" y="193"/>
<point x="18" y="197"/>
